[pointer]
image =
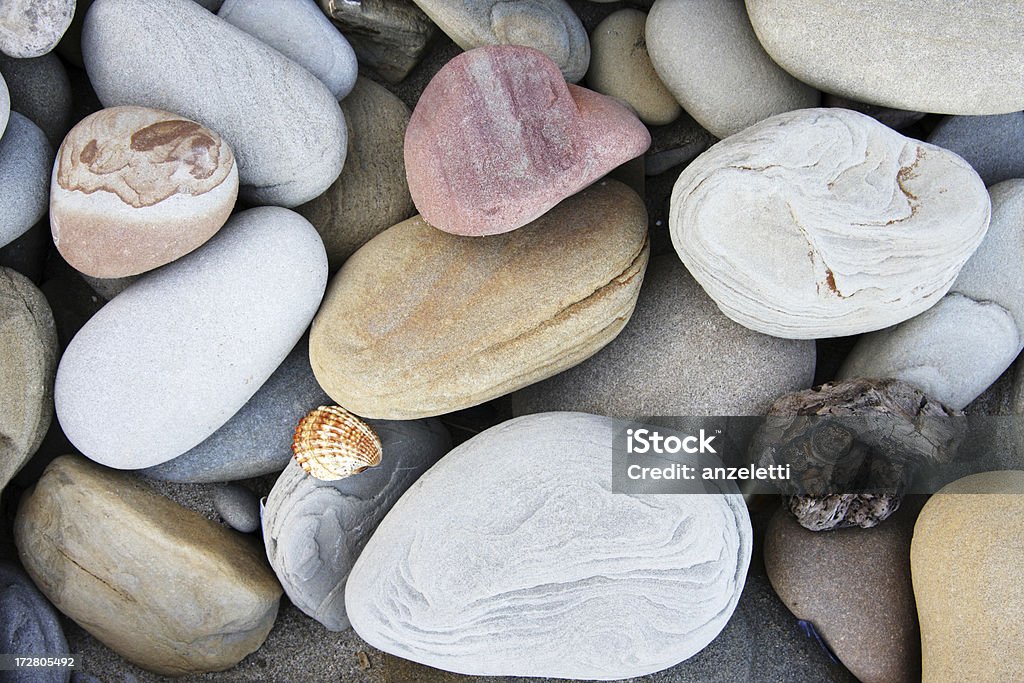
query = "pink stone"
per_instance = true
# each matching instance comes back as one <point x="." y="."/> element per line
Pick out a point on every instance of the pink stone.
<point x="498" y="138"/>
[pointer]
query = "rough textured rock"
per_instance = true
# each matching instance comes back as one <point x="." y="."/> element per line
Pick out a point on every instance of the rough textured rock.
<point x="160" y="367"/>
<point x="546" y="25"/>
<point x="709" y="58"/>
<point x="25" y="162"/>
<point x="389" y="36"/>
<point x="559" y="566"/>
<point x="257" y="440"/>
<point x="621" y="67"/>
<point x="701" y="364"/>
<point x="238" y="506"/>
<point x="419" y="322"/>
<point x="284" y="126"/>
<point x="852" y="448"/>
<point x="959" y="347"/>
<point x="825" y="223"/>
<point x="30" y="28"/>
<point x="958" y="58"/>
<point x="301" y="32"/>
<point x="28" y="361"/>
<point x="854" y="586"/>
<point x="371" y="193"/>
<point x="29" y="626"/>
<point x="965" y="560"/>
<point x="123" y="562"/>
<point x="991" y="144"/>
<point x="40" y="90"/>
<point x="136" y="188"/>
<point x="543" y="140"/>
<point x="314" y="530"/>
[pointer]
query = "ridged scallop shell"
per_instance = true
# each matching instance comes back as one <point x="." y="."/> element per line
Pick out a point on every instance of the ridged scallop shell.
<point x="331" y="443"/>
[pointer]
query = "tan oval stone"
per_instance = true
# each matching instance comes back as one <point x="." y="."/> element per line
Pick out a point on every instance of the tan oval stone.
<point x="965" y="560"/>
<point x="420" y="322"/>
<point x="160" y="585"/>
<point x="135" y="188"/>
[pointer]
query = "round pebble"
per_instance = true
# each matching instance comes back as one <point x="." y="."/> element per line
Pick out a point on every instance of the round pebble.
<point x="238" y="506"/>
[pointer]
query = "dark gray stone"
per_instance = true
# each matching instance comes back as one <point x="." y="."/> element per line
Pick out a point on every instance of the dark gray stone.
<point x="238" y="507"/>
<point x="993" y="145"/>
<point x="28" y="626"/>
<point x="41" y="91"/>
<point x="314" y="530"/>
<point x="257" y="439"/>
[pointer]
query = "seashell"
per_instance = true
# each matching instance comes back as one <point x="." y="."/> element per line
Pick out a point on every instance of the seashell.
<point x="331" y="443"/>
<point x="825" y="223"/>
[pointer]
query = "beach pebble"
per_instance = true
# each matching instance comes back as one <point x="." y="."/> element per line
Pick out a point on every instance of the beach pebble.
<point x="620" y="67"/>
<point x="257" y="440"/>
<point x="897" y="119"/>
<point x="965" y="560"/>
<point x="41" y="91"/>
<point x="854" y="586"/>
<point x="25" y="162"/>
<point x="29" y="626"/>
<point x="956" y="58"/>
<point x="677" y="356"/>
<point x="160" y="585"/>
<point x="174" y="356"/>
<point x="543" y="141"/>
<point x="678" y="143"/>
<point x="419" y="322"/>
<point x="238" y="506"/>
<point x="826" y="223"/>
<point x="550" y="26"/>
<point x="136" y="188"/>
<point x="108" y="288"/>
<point x="959" y="347"/>
<point x="31" y="28"/>
<point x="389" y="38"/>
<point x="28" y="361"/>
<point x="5" y="104"/>
<point x="300" y="31"/>
<point x="314" y="530"/>
<point x="283" y="125"/>
<point x="371" y="193"/>
<point x="709" y="58"/>
<point x="993" y="145"/>
<point x="592" y="584"/>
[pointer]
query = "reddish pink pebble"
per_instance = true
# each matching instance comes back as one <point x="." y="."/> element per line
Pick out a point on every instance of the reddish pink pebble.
<point x="498" y="138"/>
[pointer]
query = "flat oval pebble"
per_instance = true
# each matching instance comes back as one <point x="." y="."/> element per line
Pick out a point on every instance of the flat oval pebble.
<point x="257" y="440"/>
<point x="371" y="193"/>
<point x="25" y="162"/>
<point x="29" y="626"/>
<point x="948" y="58"/>
<point x="677" y="356"/>
<point x="542" y="141"/>
<point x="621" y="67"/>
<point x="28" y="362"/>
<point x="959" y="347"/>
<point x="160" y="585"/>
<point x="550" y="26"/>
<point x="992" y="145"/>
<point x="592" y="584"/>
<point x="965" y="560"/>
<point x="30" y="28"/>
<point x="301" y="32"/>
<point x="136" y="188"/>
<point x="708" y="56"/>
<point x="314" y="530"/>
<point x="174" y="356"/>
<point x="420" y="322"/>
<point x="826" y="223"/>
<point x="238" y="506"/>
<point x="284" y="125"/>
<point x="39" y="89"/>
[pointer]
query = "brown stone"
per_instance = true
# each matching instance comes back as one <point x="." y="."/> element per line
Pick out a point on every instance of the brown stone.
<point x="854" y="586"/>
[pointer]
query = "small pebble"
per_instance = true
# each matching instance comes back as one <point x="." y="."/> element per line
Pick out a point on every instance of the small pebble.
<point x="238" y="506"/>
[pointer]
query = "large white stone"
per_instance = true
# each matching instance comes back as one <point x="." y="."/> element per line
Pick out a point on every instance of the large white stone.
<point x="512" y="556"/>
<point x="174" y="356"/>
<point x="825" y="223"/>
<point x="285" y="127"/>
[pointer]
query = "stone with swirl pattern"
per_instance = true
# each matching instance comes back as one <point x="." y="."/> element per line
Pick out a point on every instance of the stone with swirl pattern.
<point x="135" y="188"/>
